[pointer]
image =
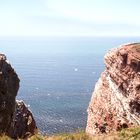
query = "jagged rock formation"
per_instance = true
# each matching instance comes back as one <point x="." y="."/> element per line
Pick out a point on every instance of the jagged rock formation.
<point x="23" y="124"/>
<point x="115" y="103"/>
<point x="15" y="118"/>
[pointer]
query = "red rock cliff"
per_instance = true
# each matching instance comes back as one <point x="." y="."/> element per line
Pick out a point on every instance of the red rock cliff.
<point x="115" y="103"/>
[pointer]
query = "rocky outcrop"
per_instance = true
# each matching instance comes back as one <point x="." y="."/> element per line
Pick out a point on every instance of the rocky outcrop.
<point x="15" y="118"/>
<point x="115" y="103"/>
<point x="23" y="124"/>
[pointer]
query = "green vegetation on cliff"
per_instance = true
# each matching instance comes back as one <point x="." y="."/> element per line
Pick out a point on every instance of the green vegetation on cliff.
<point x="125" y="134"/>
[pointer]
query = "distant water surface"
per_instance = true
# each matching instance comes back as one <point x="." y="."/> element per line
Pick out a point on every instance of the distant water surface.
<point x="58" y="76"/>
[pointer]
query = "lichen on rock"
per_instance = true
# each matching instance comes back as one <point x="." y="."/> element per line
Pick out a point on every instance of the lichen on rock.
<point x="115" y="103"/>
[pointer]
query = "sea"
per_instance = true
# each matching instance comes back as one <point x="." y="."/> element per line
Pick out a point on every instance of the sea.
<point x="58" y="75"/>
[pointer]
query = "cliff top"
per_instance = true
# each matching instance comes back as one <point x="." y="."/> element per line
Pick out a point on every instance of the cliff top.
<point x="2" y="57"/>
<point x="128" y="54"/>
<point x="133" y="50"/>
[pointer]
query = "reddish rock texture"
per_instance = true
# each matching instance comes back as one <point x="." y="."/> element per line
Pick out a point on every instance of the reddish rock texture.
<point x="115" y="103"/>
<point x="15" y="118"/>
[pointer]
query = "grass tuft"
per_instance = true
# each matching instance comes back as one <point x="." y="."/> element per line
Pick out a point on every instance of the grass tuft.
<point x="125" y="134"/>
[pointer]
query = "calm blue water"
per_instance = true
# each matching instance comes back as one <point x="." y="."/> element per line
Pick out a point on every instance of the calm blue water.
<point x="58" y="76"/>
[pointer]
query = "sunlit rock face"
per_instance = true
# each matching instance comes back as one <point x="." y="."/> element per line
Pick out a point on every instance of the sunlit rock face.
<point x="115" y="103"/>
<point x="9" y="118"/>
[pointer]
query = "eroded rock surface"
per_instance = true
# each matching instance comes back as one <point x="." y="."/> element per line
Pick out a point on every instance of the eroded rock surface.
<point x="15" y="118"/>
<point x="23" y="124"/>
<point x="115" y="103"/>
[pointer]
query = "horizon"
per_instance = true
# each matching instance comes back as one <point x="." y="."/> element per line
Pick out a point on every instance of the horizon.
<point x="79" y="18"/>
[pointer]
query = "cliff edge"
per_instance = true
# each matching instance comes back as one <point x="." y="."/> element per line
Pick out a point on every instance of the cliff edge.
<point x="115" y="103"/>
<point x="16" y="120"/>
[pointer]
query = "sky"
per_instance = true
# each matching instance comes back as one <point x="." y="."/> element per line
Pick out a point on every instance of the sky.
<point x="41" y="18"/>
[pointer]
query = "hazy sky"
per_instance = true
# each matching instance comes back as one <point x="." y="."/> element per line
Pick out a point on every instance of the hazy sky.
<point x="69" y="17"/>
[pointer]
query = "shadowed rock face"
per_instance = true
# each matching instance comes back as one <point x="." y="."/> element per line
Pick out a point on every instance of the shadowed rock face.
<point x="23" y="124"/>
<point x="9" y="85"/>
<point x="115" y="103"/>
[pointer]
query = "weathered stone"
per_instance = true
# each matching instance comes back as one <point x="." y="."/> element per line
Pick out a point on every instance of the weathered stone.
<point x="15" y="118"/>
<point x="23" y="124"/>
<point x="115" y="103"/>
<point x="9" y="85"/>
